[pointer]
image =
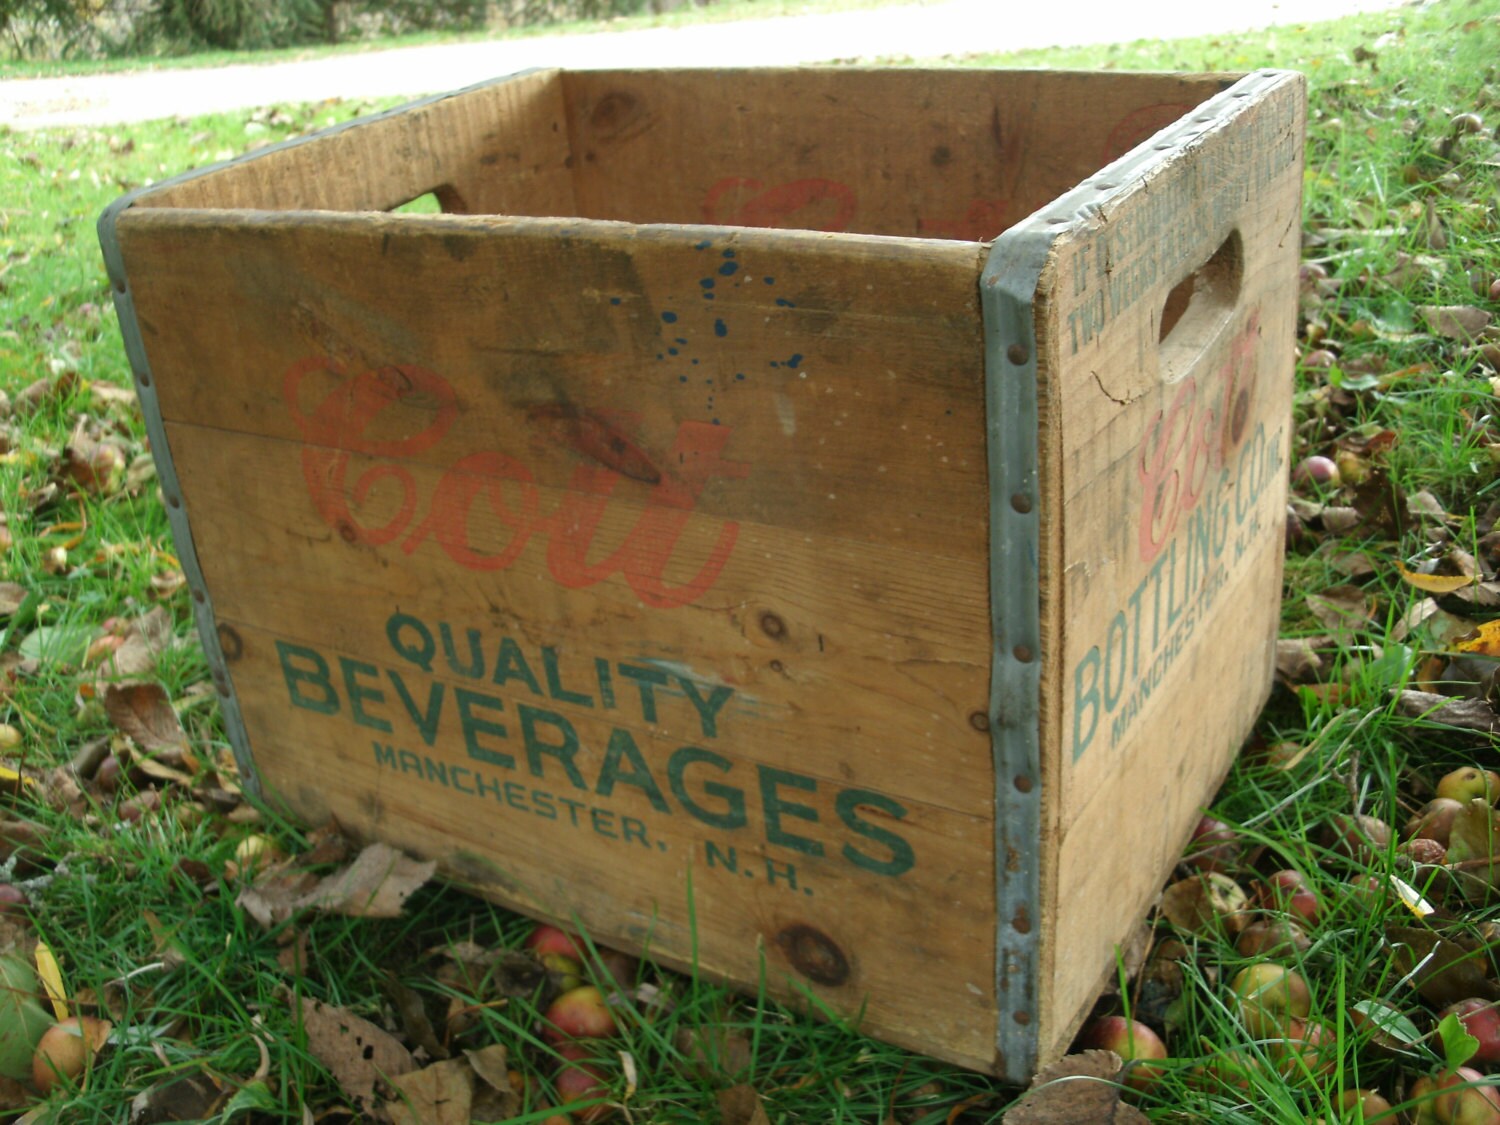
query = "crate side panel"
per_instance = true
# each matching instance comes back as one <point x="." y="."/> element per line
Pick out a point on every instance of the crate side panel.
<point x="1173" y="468"/>
<point x="860" y="631"/>
<point x="851" y="369"/>
<point x="500" y="148"/>
<point x="698" y="616"/>
<point x="957" y="154"/>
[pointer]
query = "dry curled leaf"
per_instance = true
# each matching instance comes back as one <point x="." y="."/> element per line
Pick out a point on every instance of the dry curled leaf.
<point x="1457" y="322"/>
<point x="143" y="710"/>
<point x="1205" y="904"/>
<point x="1078" y="1089"/>
<point x="1444" y="971"/>
<point x="1464" y="714"/>
<point x="361" y="1057"/>
<point x="741" y="1105"/>
<point x="376" y="885"/>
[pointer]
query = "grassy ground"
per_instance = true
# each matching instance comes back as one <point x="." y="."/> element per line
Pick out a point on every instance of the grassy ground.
<point x="129" y="876"/>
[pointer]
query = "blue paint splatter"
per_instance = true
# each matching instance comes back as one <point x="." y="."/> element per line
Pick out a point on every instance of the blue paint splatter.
<point x="795" y="360"/>
<point x="614" y="300"/>
<point x="739" y="375"/>
<point x="775" y="364"/>
<point x="695" y="364"/>
<point x="720" y="328"/>
<point x="704" y="245"/>
<point x="681" y="340"/>
<point x="669" y="317"/>
<point x="682" y="378"/>
<point x="770" y="281"/>
<point x="729" y="269"/>
<point x="784" y="303"/>
<point x="671" y="351"/>
<point x="660" y="356"/>
<point x="706" y="282"/>
<point x="729" y="253"/>
<point x="716" y="421"/>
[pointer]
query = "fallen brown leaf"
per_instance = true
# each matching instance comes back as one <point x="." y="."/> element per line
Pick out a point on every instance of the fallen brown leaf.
<point x="361" y="1057"/>
<point x="376" y="885"/>
<point x="1457" y="322"/>
<point x="741" y="1105"/>
<point x="1465" y="714"/>
<point x="143" y="710"/>
<point x="1076" y="1090"/>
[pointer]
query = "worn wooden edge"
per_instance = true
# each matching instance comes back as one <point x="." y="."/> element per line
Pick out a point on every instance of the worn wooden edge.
<point x="177" y="516"/>
<point x="145" y="388"/>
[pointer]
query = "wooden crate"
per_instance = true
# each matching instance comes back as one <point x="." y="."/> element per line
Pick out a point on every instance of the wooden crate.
<point x="828" y="520"/>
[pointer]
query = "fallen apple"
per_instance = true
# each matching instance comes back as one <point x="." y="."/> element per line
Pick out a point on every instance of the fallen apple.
<point x="1434" y="820"/>
<point x="1368" y="1106"/>
<point x="1316" y="470"/>
<point x="1274" y="937"/>
<point x="549" y="939"/>
<point x="579" y="1079"/>
<point x="1481" y="1020"/>
<point x="1358" y="837"/>
<point x="1291" y="893"/>
<point x="580" y="1013"/>
<point x="1469" y="782"/>
<point x="1214" y="846"/>
<point x="1271" y="997"/>
<point x="1305" y="1051"/>
<point x="1133" y="1041"/>
<point x="1466" y="1097"/>
<point x="67" y="1049"/>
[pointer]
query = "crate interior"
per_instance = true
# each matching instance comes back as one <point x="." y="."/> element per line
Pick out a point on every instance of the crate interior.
<point x="951" y="154"/>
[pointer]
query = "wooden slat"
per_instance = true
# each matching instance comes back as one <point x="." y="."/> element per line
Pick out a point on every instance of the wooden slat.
<point x="620" y="860"/>
<point x="958" y="154"/>
<point x="499" y="149"/>
<point x="849" y="409"/>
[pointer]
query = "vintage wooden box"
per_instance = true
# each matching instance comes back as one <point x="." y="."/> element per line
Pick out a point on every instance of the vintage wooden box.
<point x="825" y="522"/>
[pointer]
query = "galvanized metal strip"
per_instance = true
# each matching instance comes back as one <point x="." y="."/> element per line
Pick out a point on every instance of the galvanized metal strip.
<point x="1008" y="289"/>
<point x="1007" y="293"/>
<point x="145" y="388"/>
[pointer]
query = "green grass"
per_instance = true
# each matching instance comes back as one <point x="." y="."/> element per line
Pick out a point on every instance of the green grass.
<point x="156" y="940"/>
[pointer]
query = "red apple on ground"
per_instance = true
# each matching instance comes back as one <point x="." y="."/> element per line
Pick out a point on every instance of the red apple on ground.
<point x="578" y="1079"/>
<point x="1316" y="470"/>
<point x="1466" y="1097"/>
<point x="1290" y="892"/>
<point x="1424" y="852"/>
<point x="1306" y="1050"/>
<point x="1358" y="837"/>
<point x="1275" y="937"/>
<point x="1271" y="997"/>
<point x="1481" y="1019"/>
<point x="549" y="939"/>
<point x="1467" y="783"/>
<point x="1434" y="821"/>
<point x="1214" y="846"/>
<point x="1372" y="1107"/>
<point x="1133" y="1041"/>
<point x="580" y="1013"/>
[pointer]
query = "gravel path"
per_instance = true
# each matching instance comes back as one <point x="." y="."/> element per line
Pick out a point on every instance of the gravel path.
<point x="932" y="30"/>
